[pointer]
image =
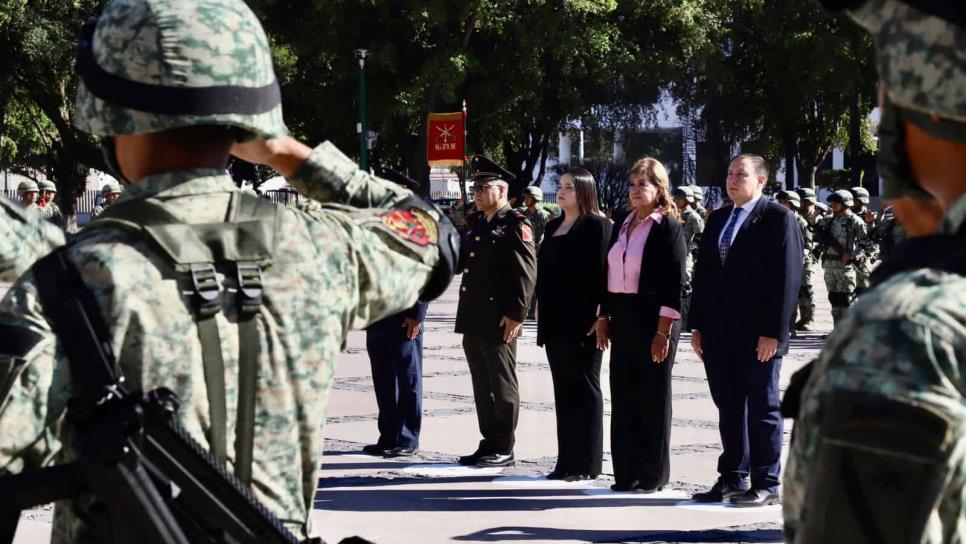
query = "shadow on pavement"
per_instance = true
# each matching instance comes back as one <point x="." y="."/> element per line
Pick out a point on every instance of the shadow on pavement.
<point x="380" y="481"/>
<point x="470" y="500"/>
<point x="497" y="534"/>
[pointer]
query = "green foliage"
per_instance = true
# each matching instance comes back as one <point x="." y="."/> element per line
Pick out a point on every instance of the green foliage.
<point x="835" y="179"/>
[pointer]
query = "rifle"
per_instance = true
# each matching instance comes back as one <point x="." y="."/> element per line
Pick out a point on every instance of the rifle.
<point x="153" y="484"/>
<point x="825" y="240"/>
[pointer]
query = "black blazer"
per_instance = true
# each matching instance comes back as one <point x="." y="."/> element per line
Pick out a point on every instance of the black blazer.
<point x="661" y="273"/>
<point x="755" y="292"/>
<point x="571" y="278"/>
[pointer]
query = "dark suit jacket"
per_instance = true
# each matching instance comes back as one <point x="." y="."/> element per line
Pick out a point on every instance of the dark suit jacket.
<point x="571" y="278"/>
<point x="661" y="273"/>
<point x="755" y="292"/>
<point x="499" y="269"/>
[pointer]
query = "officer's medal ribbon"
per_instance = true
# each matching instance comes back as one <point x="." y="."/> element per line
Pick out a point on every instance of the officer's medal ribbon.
<point x="414" y="225"/>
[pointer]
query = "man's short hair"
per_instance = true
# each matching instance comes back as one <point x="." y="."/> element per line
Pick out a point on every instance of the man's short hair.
<point x="757" y="162"/>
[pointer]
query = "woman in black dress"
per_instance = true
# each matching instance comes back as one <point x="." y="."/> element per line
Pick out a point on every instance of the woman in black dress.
<point x="640" y="315"/>
<point x="570" y="283"/>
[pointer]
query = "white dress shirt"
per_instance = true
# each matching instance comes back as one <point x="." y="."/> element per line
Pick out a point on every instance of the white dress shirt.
<point x="745" y="212"/>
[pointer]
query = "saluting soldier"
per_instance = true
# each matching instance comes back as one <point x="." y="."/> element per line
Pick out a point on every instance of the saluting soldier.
<point x="498" y="263"/>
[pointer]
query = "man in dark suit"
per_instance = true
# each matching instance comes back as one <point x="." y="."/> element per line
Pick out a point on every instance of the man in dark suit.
<point x="746" y="285"/>
<point x="499" y="271"/>
<point x="395" y="346"/>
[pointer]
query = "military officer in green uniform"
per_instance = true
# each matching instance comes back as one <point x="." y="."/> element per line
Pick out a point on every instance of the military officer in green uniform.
<point x="245" y="330"/>
<point x="692" y="227"/>
<point x="109" y="194"/>
<point x="806" y="293"/>
<point x="878" y="450"/>
<point x="842" y="236"/>
<point x="498" y="263"/>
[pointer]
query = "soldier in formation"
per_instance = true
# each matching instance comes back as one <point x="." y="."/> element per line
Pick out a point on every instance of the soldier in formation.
<point x="810" y="212"/>
<point x="842" y="237"/>
<point x="877" y="454"/>
<point x="806" y="293"/>
<point x="692" y="228"/>
<point x="698" y="193"/>
<point x="535" y="212"/>
<point x="48" y="191"/>
<point x="247" y="336"/>
<point x="109" y="193"/>
<point x="870" y="254"/>
<point x="27" y="192"/>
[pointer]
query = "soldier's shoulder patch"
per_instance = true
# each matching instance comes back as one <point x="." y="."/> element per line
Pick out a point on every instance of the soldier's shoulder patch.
<point x="526" y="233"/>
<point x="517" y="215"/>
<point x="414" y="225"/>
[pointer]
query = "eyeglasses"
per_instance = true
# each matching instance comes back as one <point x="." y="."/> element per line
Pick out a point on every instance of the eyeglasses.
<point x="481" y="188"/>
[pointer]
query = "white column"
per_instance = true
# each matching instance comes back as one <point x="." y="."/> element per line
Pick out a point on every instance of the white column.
<point x="838" y="159"/>
<point x="564" y="152"/>
<point x="618" y="146"/>
<point x="580" y="148"/>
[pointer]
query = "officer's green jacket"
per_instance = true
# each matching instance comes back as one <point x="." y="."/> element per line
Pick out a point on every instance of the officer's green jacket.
<point x="903" y="341"/>
<point x="335" y="268"/>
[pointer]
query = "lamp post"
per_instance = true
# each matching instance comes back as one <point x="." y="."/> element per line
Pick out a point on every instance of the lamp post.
<point x="361" y="54"/>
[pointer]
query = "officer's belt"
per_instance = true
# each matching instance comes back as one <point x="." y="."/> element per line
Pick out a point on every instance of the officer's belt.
<point x="246" y="239"/>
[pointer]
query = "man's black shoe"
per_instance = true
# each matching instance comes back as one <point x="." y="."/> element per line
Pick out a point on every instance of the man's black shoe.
<point x="496" y="460"/>
<point x="557" y="475"/>
<point x="623" y="487"/>
<point x="719" y="492"/>
<point x="471" y="459"/>
<point x="400" y="451"/>
<point x="755" y="497"/>
<point x="376" y="449"/>
<point x="579" y="477"/>
<point x="646" y="490"/>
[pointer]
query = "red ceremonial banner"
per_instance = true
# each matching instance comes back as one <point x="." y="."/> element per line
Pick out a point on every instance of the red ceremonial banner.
<point x="444" y="139"/>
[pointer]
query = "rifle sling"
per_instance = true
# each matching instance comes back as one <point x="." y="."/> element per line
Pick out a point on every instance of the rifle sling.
<point x="214" y="366"/>
<point x="247" y="378"/>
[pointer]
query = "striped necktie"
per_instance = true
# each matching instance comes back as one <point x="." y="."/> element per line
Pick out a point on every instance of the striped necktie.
<point x="725" y="243"/>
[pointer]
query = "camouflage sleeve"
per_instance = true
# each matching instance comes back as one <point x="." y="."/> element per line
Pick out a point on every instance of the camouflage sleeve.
<point x="33" y="382"/>
<point x="25" y="236"/>
<point x="328" y="175"/>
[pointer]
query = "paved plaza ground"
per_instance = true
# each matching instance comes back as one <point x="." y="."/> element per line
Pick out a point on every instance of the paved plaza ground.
<point x="429" y="498"/>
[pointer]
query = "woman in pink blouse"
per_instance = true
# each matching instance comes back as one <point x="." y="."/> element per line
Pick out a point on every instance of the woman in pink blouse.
<point x="640" y="315"/>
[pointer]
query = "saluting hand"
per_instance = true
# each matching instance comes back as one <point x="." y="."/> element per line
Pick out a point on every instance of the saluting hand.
<point x="511" y="329"/>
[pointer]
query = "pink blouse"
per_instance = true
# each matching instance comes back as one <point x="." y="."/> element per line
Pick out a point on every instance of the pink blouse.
<point x="626" y="258"/>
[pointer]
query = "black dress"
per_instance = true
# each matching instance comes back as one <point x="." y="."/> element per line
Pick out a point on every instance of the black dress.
<point x="570" y="281"/>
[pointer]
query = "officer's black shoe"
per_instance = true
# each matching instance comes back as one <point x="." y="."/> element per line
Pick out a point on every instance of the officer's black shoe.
<point x="496" y="460"/>
<point x="579" y="477"/>
<point x="376" y="449"/>
<point x="557" y="474"/>
<point x="755" y="497"/>
<point x="646" y="490"/>
<point x="719" y="492"/>
<point x="623" y="487"/>
<point x="400" y="451"/>
<point x="471" y="459"/>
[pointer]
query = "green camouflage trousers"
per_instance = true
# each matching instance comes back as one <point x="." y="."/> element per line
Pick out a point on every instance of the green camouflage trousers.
<point x="840" y="280"/>
<point x="806" y="296"/>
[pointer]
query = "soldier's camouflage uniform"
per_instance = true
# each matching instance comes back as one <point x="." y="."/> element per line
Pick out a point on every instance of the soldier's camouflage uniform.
<point x="806" y="294"/>
<point x="902" y="346"/>
<point x="889" y="234"/>
<point x="840" y="278"/>
<point x="538" y="220"/>
<point x="335" y="269"/>
<point x="870" y="255"/>
<point x="24" y="238"/>
<point x="692" y="227"/>
<point x="340" y="262"/>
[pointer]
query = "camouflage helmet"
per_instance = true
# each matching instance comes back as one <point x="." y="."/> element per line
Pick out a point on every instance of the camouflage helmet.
<point x="535" y="192"/>
<point x="807" y="194"/>
<point x="790" y="196"/>
<point x="683" y="192"/>
<point x="919" y="57"/>
<point x="151" y="65"/>
<point x="842" y="196"/>
<point x="861" y="194"/>
<point x="697" y="191"/>
<point x="47" y="185"/>
<point x="110" y="188"/>
<point x="27" y="186"/>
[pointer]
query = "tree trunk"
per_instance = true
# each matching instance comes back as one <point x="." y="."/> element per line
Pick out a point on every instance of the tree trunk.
<point x="790" y="148"/>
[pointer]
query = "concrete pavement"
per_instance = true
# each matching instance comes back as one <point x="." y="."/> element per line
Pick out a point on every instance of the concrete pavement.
<point x="429" y="498"/>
